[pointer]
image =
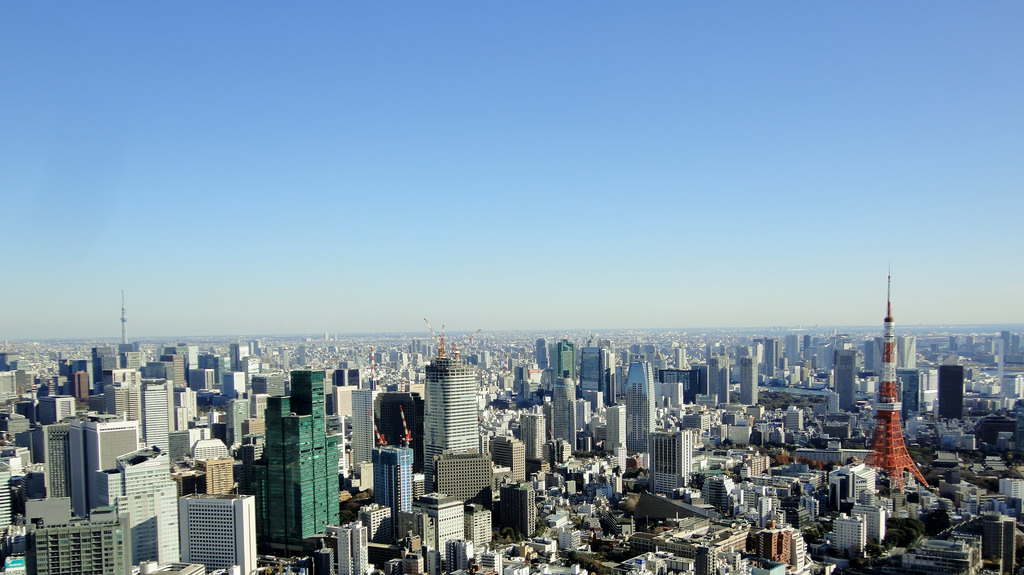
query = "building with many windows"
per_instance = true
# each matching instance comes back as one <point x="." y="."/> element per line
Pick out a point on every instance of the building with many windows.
<point x="218" y="531"/>
<point x="99" y="545"/>
<point x="296" y="482"/>
<point x="640" y="410"/>
<point x="450" y="411"/>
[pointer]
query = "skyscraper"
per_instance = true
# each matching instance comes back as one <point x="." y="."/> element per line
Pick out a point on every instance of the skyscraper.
<point x="518" y="509"/>
<point x="363" y="401"/>
<point x="951" y="392"/>
<point x="671" y="459"/>
<point x="531" y="431"/>
<point x="351" y="554"/>
<point x="590" y="369"/>
<point x="748" y="381"/>
<point x="57" y="459"/>
<point x="906" y="352"/>
<point x="296" y="482"/>
<point x="846" y="378"/>
<point x="541" y="353"/>
<point x="565" y="360"/>
<point x="450" y="410"/>
<point x="510" y="453"/>
<point x="141" y="488"/>
<point x="718" y="378"/>
<point x="910" y="381"/>
<point x="615" y="428"/>
<point x="94" y="443"/>
<point x="218" y="531"/>
<point x="563" y="410"/>
<point x="392" y="478"/>
<point x="392" y="407"/>
<point x="792" y="351"/>
<point x="640" y="409"/>
<point x="772" y="346"/>
<point x="157" y="411"/>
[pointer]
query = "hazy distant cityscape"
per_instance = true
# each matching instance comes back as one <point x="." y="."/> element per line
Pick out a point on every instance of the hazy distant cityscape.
<point x="801" y="451"/>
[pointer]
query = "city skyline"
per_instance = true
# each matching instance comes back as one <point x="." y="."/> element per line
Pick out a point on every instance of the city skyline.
<point x="670" y="165"/>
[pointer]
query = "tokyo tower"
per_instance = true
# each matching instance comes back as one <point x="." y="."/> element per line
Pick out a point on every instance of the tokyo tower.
<point x="888" y="451"/>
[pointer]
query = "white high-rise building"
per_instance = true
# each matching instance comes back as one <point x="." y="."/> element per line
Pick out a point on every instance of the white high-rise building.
<point x="640" y="410"/>
<point x="448" y="516"/>
<point x="94" y="444"/>
<point x="232" y="384"/>
<point x="141" y="488"/>
<point x="851" y="533"/>
<point x="54" y="408"/>
<point x="351" y="553"/>
<point x="671" y="459"/>
<point x="363" y="413"/>
<point x="874" y="517"/>
<point x="185" y="406"/>
<point x="450" y="410"/>
<point x="218" y="531"/>
<point x="157" y="411"/>
<point x="615" y="427"/>
<point x="5" y="495"/>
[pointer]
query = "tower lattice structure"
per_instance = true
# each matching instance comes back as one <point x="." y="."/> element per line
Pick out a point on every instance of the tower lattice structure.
<point x="888" y="450"/>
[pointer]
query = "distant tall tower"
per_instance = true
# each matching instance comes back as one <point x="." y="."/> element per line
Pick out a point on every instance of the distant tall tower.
<point x="718" y="378"/>
<point x="889" y="452"/>
<point x="124" y="321"/>
<point x="748" y="381"/>
<point x="541" y="353"/>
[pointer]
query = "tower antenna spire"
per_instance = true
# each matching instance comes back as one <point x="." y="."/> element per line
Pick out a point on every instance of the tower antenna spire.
<point x="888" y="449"/>
<point x="888" y="297"/>
<point x="124" y="321"/>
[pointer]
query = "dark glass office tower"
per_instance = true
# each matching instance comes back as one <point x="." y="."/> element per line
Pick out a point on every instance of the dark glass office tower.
<point x="951" y="391"/>
<point x="296" y="482"/>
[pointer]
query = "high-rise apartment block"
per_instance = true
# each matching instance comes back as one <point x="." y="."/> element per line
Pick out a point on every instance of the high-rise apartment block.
<point x="671" y="460"/>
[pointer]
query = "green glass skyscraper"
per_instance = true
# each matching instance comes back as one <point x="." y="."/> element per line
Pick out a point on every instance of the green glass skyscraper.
<point x="296" y="482"/>
<point x="565" y="360"/>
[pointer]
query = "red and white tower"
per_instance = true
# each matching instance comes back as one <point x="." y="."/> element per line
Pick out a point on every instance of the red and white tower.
<point x="888" y="451"/>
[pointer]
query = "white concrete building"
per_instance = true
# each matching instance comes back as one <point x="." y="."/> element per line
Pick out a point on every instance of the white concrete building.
<point x="218" y="531"/>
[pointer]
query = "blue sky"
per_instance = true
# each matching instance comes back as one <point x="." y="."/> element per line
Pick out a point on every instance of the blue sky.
<point x="256" y="167"/>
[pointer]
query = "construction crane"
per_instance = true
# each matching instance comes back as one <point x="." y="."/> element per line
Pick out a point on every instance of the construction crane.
<point x="407" y="438"/>
<point x="456" y="348"/>
<point x="438" y="339"/>
<point x="376" y="432"/>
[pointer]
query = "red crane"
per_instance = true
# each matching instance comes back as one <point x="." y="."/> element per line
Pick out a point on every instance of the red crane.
<point x="407" y="438"/>
<point x="377" y="434"/>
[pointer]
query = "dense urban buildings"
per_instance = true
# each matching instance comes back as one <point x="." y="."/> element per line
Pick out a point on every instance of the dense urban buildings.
<point x="714" y="445"/>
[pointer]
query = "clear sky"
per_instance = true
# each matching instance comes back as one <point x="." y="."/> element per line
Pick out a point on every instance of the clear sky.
<point x="269" y="167"/>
